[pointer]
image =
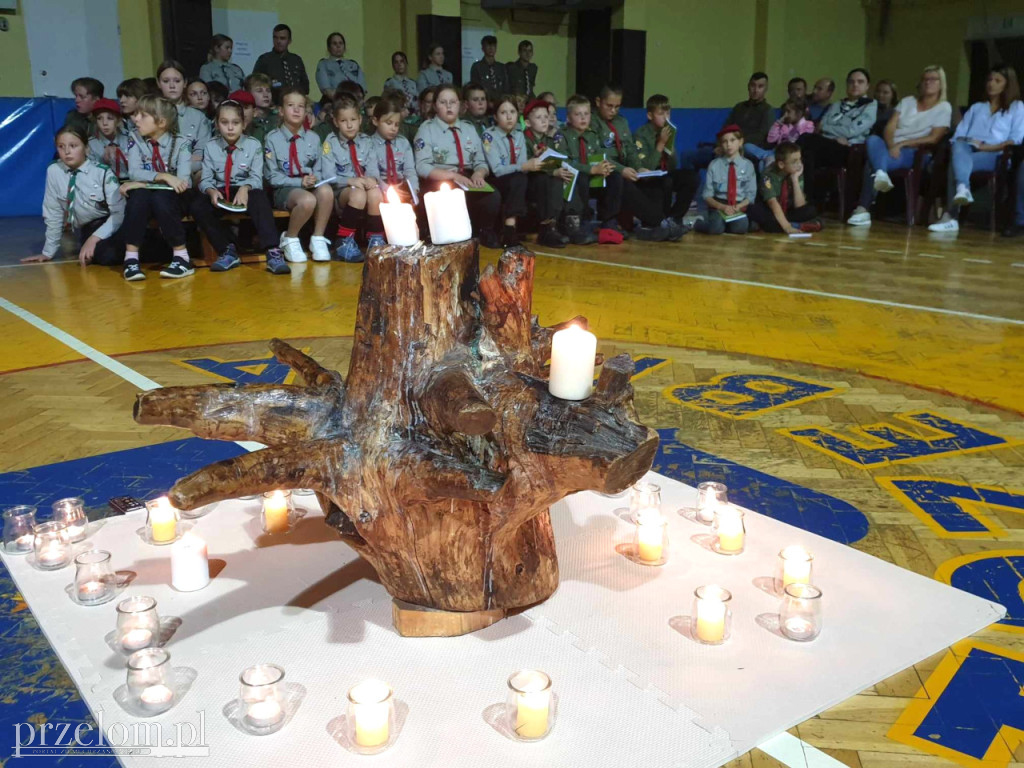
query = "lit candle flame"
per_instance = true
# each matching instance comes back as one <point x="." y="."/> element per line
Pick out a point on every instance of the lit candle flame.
<point x="393" y="197"/>
<point x="444" y="187"/>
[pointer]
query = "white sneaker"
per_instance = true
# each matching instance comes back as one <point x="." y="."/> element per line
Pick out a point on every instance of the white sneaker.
<point x="860" y="218"/>
<point x="963" y="195"/>
<point x="950" y="225"/>
<point x="292" y="248"/>
<point x="320" y="247"/>
<point x="882" y="181"/>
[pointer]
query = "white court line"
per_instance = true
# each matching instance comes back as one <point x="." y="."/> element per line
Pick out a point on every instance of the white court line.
<point x="894" y="253"/>
<point x="787" y="289"/>
<point x="791" y="751"/>
<point x="932" y="255"/>
<point x="112" y="365"/>
<point x="1017" y="264"/>
<point x="979" y="261"/>
<point x="816" y="245"/>
<point x="850" y="248"/>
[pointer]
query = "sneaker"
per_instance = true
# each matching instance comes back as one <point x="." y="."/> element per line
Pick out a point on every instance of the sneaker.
<point x="550" y="237"/>
<point x="882" y="182"/>
<point x="227" y="260"/>
<point x="177" y="268"/>
<point x="276" y="265"/>
<point x="945" y="225"/>
<point x="132" y="271"/>
<point x="963" y="195"/>
<point x="347" y="249"/>
<point x="375" y="241"/>
<point x="861" y="218"/>
<point x="814" y="225"/>
<point x="320" y="247"/>
<point x="675" y="230"/>
<point x="656" y="234"/>
<point x="489" y="239"/>
<point x="292" y="248"/>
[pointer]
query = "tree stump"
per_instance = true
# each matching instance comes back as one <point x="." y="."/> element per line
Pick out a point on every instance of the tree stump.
<point x="439" y="456"/>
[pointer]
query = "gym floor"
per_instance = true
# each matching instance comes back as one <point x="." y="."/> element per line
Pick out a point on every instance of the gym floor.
<point x="865" y="383"/>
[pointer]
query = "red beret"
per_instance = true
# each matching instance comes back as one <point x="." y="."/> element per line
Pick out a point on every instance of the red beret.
<point x="731" y="128"/>
<point x="536" y="104"/>
<point x="106" y="105"/>
<point x="243" y="97"/>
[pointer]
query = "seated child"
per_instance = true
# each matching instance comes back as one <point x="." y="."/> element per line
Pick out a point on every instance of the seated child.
<point x="366" y="121"/>
<point x="198" y="96"/>
<point x="294" y="166"/>
<point x="108" y="143"/>
<point x="233" y="174"/>
<point x="392" y="152"/>
<point x="349" y="157"/>
<point x="128" y="94"/>
<point x="783" y="206"/>
<point x="447" y="149"/>
<point x="81" y="195"/>
<point x="160" y="186"/>
<point x="474" y="103"/>
<point x="193" y="125"/>
<point x="400" y="81"/>
<point x="792" y="125"/>
<point x="587" y="156"/>
<point x="546" y="187"/>
<point x="656" y="151"/>
<point x="730" y="186"/>
<point x="265" y="116"/>
<point x="87" y="91"/>
<point x="218" y="93"/>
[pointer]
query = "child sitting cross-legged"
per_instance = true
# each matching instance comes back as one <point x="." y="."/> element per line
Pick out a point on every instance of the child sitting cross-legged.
<point x="730" y="186"/>
<point x="783" y="207"/>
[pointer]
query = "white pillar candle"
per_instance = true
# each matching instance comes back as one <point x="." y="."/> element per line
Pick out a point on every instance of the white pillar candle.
<point x="532" y="714"/>
<point x="730" y="528"/>
<point x="711" y="618"/>
<point x="399" y="220"/>
<point x="572" y="363"/>
<point x="190" y="566"/>
<point x="650" y="536"/>
<point x="796" y="566"/>
<point x="371" y="707"/>
<point x="447" y="215"/>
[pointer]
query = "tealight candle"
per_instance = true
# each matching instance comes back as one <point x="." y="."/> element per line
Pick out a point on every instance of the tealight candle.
<point x="276" y="509"/>
<point x="650" y="537"/>
<point x="138" y="624"/>
<point x="447" y="215"/>
<point x="800" y="614"/>
<point x="19" y="522"/>
<point x="91" y="591"/>
<point x="23" y="543"/>
<point x="399" y="220"/>
<point x="72" y="512"/>
<point x="52" y="545"/>
<point x="155" y="698"/>
<point x="136" y="640"/>
<point x="162" y="521"/>
<point x="150" y="680"/>
<point x="190" y="565"/>
<point x="264" y="714"/>
<point x="711" y="614"/>
<point x="369" y="715"/>
<point x="709" y="496"/>
<point x="530" y="704"/>
<point x="728" y="525"/>
<point x="260" y="699"/>
<point x="794" y="567"/>
<point x="572" y="363"/>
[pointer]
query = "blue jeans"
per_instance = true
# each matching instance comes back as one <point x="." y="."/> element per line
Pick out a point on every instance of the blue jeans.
<point x="965" y="161"/>
<point x="879" y="159"/>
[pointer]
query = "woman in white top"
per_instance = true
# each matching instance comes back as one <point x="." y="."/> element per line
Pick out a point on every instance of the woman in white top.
<point x="987" y="129"/>
<point x="919" y="120"/>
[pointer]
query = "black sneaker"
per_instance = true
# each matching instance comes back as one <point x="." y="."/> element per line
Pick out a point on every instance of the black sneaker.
<point x="133" y="272"/>
<point x="177" y="268"/>
<point x="489" y="239"/>
<point x="552" y="238"/>
<point x="656" y="234"/>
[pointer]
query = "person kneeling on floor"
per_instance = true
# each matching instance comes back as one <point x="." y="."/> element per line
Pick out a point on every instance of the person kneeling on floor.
<point x="783" y="207"/>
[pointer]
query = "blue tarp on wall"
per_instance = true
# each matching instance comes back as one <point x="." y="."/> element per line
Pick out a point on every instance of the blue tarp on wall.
<point x="27" y="128"/>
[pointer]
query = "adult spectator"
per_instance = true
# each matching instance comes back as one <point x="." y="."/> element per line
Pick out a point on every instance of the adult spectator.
<point x="754" y="117"/>
<point x="917" y="121"/>
<point x="284" y="68"/>
<point x="887" y="97"/>
<point x="335" y="69"/>
<point x="797" y="89"/>
<point x="522" y="73"/>
<point x="987" y="129"/>
<point x="821" y="97"/>
<point x="844" y="124"/>
<point x="489" y="72"/>
<point x="434" y="73"/>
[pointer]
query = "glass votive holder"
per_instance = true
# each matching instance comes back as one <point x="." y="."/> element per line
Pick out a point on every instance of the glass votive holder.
<point x="530" y="706"/>
<point x="730" y="534"/>
<point x="19" y="522"/>
<point x="650" y="539"/>
<point x="261" y="704"/>
<point x="794" y="566"/>
<point x="644" y="495"/>
<point x="162" y="522"/>
<point x="72" y="511"/>
<point x="277" y="511"/>
<point x="711" y="617"/>
<point x="51" y="544"/>
<point x="709" y="496"/>
<point x="95" y="580"/>
<point x="370" y="718"/>
<point x="800" y="615"/>
<point x="150" y="680"/>
<point x="138" y="624"/>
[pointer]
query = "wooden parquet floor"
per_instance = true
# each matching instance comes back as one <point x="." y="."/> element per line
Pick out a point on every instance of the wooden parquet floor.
<point x="871" y="379"/>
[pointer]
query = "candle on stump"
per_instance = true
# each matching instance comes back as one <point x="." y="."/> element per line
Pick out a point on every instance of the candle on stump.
<point x="370" y="709"/>
<point x="399" y="220"/>
<point x="711" y="613"/>
<point x="276" y="512"/>
<point x="447" y="215"/>
<point x="163" y="520"/>
<point x="572" y="363"/>
<point x="190" y="566"/>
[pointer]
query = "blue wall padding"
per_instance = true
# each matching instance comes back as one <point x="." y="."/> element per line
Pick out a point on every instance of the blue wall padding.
<point x="27" y="127"/>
